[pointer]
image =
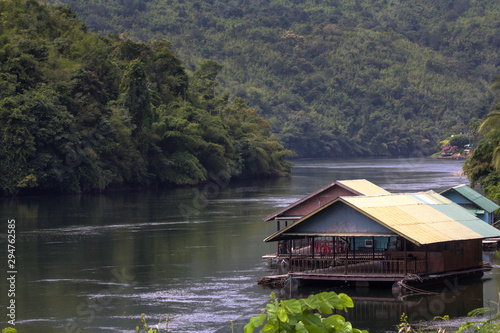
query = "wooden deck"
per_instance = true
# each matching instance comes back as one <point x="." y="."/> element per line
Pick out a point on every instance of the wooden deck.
<point x="350" y="264"/>
<point x="352" y="270"/>
<point x="360" y="269"/>
<point x="491" y="244"/>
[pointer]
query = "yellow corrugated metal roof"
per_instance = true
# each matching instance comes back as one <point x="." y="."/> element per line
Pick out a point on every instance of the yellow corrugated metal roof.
<point x="423" y="218"/>
<point x="364" y="187"/>
<point x="383" y="200"/>
<point x="432" y="198"/>
<point x="413" y="216"/>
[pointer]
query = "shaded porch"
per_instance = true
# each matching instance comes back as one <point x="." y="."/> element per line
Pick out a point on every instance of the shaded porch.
<point x="367" y="258"/>
<point x="351" y="266"/>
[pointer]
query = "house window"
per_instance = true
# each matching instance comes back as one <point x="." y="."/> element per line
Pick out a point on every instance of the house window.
<point x="368" y="243"/>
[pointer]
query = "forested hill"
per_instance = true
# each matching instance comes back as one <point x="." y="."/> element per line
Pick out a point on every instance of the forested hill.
<point x="81" y="112"/>
<point x="334" y="77"/>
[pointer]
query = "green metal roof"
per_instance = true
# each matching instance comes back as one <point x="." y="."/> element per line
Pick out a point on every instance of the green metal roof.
<point x="476" y="211"/>
<point x="468" y="219"/>
<point x="476" y="198"/>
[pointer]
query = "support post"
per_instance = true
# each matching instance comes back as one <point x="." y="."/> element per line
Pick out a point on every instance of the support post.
<point x="334" y="249"/>
<point x="373" y="248"/>
<point x="426" y="258"/>
<point x="353" y="249"/>
<point x="289" y="245"/>
<point x="346" y="254"/>
<point x="312" y="247"/>
<point x="278" y="229"/>
<point x="404" y="240"/>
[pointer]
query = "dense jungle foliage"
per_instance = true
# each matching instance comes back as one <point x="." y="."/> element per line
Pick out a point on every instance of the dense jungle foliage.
<point x="333" y="77"/>
<point x="80" y="112"/>
<point x="483" y="167"/>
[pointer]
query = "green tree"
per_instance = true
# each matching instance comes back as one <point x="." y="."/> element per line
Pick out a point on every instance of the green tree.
<point x="491" y="125"/>
<point x="178" y="141"/>
<point x="479" y="165"/>
<point x="82" y="112"/>
<point x="459" y="140"/>
<point x="260" y="150"/>
<point x="483" y="167"/>
<point x="205" y="79"/>
<point x="39" y="138"/>
<point x="135" y="96"/>
<point x="168" y="73"/>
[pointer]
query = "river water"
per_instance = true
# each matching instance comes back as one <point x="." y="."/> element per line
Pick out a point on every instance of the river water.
<point x="95" y="263"/>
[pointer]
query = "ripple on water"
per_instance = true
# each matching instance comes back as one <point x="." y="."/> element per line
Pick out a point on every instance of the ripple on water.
<point x="102" y="229"/>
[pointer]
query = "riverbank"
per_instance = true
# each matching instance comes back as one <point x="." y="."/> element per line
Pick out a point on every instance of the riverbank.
<point x="457" y="156"/>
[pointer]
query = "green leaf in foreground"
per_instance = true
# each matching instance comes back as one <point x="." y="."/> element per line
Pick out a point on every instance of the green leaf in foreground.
<point x="304" y="315"/>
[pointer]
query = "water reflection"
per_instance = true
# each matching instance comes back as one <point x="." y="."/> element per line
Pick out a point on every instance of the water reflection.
<point x="379" y="310"/>
<point x="202" y="266"/>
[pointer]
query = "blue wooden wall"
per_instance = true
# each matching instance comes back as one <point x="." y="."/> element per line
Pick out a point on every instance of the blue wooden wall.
<point x="340" y="219"/>
<point x="462" y="201"/>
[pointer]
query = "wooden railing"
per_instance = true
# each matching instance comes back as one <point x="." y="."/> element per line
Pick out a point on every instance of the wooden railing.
<point x="357" y="266"/>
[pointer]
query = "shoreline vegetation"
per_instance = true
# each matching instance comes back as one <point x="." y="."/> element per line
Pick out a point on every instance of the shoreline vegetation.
<point x="83" y="113"/>
<point x="333" y="78"/>
<point x="457" y="156"/>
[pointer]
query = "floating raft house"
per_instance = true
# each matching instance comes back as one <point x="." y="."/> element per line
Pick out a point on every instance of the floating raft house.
<point x="362" y="237"/>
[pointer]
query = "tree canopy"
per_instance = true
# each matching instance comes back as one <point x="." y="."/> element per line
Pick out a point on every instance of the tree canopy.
<point x="483" y="167"/>
<point x="333" y="78"/>
<point x="83" y="112"/>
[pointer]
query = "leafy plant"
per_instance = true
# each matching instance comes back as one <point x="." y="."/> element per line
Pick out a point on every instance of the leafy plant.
<point x="491" y="325"/>
<point x="143" y="326"/>
<point x="9" y="330"/>
<point x="304" y="315"/>
<point x="406" y="327"/>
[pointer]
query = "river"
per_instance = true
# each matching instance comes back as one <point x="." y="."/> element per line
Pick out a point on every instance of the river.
<point x="95" y="263"/>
